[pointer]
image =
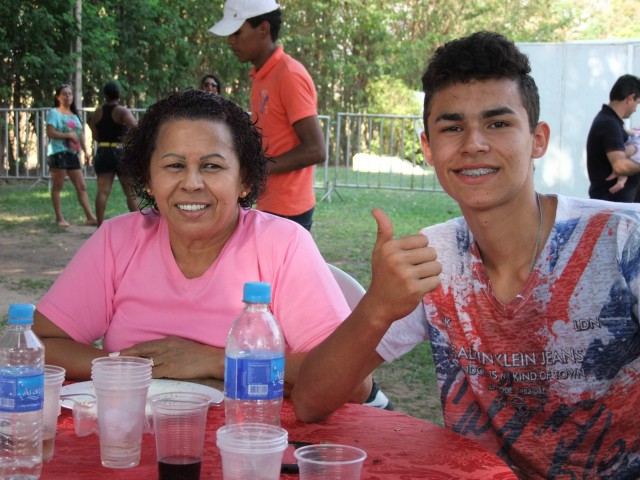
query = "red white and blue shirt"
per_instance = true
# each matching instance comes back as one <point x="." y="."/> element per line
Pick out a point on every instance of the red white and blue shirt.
<point x="551" y="381"/>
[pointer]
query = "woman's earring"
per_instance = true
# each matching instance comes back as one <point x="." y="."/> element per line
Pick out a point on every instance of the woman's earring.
<point x="243" y="194"/>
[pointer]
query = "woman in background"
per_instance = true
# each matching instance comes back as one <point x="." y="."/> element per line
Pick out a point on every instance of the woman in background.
<point x="64" y="130"/>
<point x="212" y="84"/>
<point x="108" y="124"/>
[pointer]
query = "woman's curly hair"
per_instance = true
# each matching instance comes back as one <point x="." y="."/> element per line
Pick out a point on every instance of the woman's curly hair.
<point x="193" y="104"/>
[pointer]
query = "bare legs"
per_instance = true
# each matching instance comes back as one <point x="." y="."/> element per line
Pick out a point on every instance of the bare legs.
<point x="77" y="179"/>
<point x="57" y="182"/>
<point x="127" y="189"/>
<point x="105" y="182"/>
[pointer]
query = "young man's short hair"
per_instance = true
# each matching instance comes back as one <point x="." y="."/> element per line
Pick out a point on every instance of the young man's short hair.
<point x="273" y="18"/>
<point x="480" y="56"/>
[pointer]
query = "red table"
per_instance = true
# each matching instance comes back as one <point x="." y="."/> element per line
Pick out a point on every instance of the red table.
<point x="397" y="446"/>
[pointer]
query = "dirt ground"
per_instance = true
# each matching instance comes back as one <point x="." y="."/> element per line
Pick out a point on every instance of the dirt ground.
<point x="31" y="260"/>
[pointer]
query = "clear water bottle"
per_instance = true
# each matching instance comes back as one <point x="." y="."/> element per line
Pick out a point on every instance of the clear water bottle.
<point x="254" y="361"/>
<point x="21" y="397"/>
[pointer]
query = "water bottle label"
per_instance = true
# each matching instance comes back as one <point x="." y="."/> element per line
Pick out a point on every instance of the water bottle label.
<point x="21" y="394"/>
<point x="254" y="378"/>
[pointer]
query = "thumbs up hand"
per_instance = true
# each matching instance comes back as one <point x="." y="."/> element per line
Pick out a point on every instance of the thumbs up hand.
<point x="403" y="271"/>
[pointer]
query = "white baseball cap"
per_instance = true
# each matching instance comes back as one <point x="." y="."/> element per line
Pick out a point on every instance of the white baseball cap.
<point x="237" y="11"/>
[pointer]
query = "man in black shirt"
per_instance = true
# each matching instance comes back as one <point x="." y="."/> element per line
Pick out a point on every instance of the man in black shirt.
<point x="606" y="158"/>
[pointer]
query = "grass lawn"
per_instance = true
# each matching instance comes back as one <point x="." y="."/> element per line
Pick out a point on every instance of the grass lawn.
<point x="345" y="233"/>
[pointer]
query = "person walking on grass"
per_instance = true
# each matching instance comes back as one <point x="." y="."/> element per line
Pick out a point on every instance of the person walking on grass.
<point x="529" y="301"/>
<point x="64" y="130"/>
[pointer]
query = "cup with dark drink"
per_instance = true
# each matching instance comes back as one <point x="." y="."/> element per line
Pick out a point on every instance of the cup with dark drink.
<point x="179" y="421"/>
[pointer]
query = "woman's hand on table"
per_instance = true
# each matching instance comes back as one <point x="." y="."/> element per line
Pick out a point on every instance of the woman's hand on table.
<point x="179" y="358"/>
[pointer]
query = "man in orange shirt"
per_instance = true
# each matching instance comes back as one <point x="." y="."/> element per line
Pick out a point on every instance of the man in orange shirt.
<point x="284" y="104"/>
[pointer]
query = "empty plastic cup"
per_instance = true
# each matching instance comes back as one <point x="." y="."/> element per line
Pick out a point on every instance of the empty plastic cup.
<point x="125" y="369"/>
<point x="121" y="385"/>
<point x="330" y="462"/>
<point x="251" y="450"/>
<point x="179" y="420"/>
<point x="53" y="378"/>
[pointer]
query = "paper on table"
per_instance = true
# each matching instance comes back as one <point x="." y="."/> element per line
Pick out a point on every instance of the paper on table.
<point x="80" y="397"/>
<point x="84" y="391"/>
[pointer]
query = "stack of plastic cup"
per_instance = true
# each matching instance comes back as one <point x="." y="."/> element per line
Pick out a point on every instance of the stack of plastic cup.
<point x="251" y="450"/>
<point x="121" y="385"/>
<point x="53" y="378"/>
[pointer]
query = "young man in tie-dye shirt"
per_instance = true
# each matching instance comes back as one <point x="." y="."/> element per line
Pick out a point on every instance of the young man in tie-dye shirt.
<point x="533" y="318"/>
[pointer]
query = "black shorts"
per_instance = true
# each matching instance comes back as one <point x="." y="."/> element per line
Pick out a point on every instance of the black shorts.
<point x="305" y="219"/>
<point x="64" y="160"/>
<point x="107" y="160"/>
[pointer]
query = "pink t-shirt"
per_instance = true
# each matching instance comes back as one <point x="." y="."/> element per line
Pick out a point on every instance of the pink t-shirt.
<point x="125" y="285"/>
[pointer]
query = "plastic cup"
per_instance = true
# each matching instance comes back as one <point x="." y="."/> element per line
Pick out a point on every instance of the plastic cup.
<point x="251" y="450"/>
<point x="179" y="420"/>
<point x="121" y="385"/>
<point x="330" y="462"/>
<point x="121" y="372"/>
<point x="53" y="378"/>
<point x="125" y="367"/>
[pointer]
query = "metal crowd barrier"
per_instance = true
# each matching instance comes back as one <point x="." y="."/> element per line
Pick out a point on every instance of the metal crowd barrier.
<point x="372" y="151"/>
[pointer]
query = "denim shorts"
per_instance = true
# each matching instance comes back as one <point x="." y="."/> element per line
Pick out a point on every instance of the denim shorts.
<point x="64" y="160"/>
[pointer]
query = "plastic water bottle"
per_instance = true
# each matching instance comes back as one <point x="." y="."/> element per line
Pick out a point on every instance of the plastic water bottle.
<point x="254" y="361"/>
<point x="21" y="397"/>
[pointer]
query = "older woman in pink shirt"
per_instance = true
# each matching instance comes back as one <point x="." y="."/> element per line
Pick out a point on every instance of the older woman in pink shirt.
<point x="166" y="282"/>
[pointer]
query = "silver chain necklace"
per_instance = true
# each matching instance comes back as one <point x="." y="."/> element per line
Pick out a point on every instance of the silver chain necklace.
<point x="539" y="236"/>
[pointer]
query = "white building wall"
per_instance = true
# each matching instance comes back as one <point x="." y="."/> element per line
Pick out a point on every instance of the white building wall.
<point x="574" y="80"/>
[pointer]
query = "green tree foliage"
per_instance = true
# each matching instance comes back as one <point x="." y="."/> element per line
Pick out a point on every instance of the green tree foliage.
<point x="613" y="19"/>
<point x="34" y="44"/>
<point x="145" y="44"/>
<point x="344" y="44"/>
<point x="396" y="97"/>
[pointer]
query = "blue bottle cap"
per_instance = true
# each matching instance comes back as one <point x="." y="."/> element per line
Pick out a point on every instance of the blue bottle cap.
<point x="21" y="314"/>
<point x="256" y="292"/>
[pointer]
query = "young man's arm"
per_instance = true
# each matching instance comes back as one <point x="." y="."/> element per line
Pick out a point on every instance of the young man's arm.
<point x="310" y="151"/>
<point x="337" y="370"/>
